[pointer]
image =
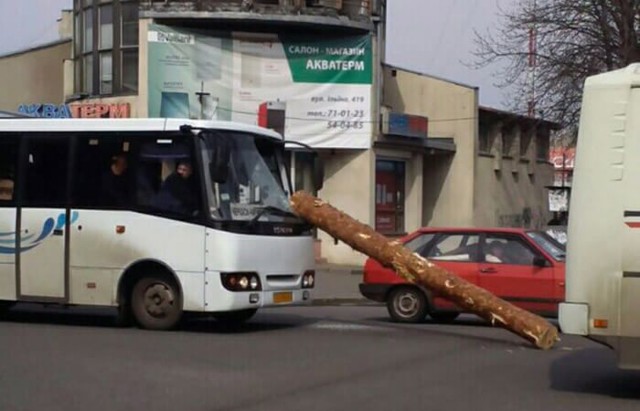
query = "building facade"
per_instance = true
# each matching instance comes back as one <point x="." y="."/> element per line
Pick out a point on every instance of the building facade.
<point x="401" y="149"/>
<point x="512" y="171"/>
<point x="34" y="75"/>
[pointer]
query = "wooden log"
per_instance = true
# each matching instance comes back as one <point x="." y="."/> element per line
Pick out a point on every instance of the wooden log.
<point x="417" y="269"/>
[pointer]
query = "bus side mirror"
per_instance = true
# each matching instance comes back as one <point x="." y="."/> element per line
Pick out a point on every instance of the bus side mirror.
<point x="318" y="166"/>
<point x="318" y="172"/>
<point x="220" y="158"/>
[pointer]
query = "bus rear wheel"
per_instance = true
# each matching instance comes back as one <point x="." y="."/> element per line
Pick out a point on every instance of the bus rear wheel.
<point x="156" y="303"/>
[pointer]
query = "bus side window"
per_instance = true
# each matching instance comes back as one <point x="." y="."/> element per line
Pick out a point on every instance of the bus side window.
<point x="102" y="173"/>
<point x="147" y="182"/>
<point x="8" y="166"/>
<point x="166" y="181"/>
<point x="47" y="171"/>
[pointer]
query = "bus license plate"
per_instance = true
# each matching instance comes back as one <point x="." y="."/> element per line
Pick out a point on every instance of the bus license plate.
<point x="281" y="298"/>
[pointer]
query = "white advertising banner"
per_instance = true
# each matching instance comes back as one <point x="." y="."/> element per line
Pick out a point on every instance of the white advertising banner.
<point x="316" y="91"/>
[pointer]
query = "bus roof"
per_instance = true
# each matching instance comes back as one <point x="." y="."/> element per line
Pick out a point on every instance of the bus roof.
<point x="627" y="77"/>
<point x="126" y="124"/>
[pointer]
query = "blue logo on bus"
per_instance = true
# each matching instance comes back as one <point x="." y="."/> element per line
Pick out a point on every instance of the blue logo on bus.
<point x="29" y="241"/>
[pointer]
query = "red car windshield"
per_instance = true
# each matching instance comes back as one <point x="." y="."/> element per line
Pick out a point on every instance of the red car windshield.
<point x="548" y="244"/>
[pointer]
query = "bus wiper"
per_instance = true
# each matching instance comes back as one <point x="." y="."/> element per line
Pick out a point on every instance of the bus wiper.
<point x="271" y="210"/>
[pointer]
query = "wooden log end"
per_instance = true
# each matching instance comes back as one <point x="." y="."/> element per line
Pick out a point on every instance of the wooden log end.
<point x="547" y="339"/>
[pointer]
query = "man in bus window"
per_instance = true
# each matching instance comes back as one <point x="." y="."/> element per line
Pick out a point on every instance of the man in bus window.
<point x="6" y="189"/>
<point x="115" y="185"/>
<point x="178" y="191"/>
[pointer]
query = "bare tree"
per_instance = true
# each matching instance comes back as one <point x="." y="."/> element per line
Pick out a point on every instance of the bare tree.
<point x="573" y="40"/>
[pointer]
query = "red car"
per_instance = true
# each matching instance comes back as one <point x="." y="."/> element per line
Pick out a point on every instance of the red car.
<point x="524" y="267"/>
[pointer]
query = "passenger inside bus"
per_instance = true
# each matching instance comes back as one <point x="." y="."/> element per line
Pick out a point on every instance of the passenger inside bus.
<point x="115" y="185"/>
<point x="6" y="189"/>
<point x="178" y="191"/>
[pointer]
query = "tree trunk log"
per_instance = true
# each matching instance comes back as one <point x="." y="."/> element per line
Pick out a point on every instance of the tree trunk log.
<point x="417" y="269"/>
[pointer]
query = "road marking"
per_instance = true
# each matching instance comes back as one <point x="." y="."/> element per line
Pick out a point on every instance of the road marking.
<point x="343" y="326"/>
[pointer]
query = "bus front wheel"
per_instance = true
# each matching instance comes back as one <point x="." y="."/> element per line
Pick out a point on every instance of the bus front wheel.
<point x="156" y="304"/>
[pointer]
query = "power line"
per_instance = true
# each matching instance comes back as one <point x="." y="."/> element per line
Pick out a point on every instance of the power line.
<point x="324" y="119"/>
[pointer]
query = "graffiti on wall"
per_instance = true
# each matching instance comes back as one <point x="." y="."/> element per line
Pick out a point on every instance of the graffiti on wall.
<point x="526" y="219"/>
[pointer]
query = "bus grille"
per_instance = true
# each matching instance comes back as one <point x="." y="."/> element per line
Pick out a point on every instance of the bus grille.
<point x="283" y="280"/>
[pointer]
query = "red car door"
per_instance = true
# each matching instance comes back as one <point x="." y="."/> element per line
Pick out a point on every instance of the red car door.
<point x="516" y="271"/>
<point x="457" y="253"/>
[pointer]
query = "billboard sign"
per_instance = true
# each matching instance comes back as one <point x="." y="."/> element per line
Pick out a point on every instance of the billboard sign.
<point x="314" y="90"/>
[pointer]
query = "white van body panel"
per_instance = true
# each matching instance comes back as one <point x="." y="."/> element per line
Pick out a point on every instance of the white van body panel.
<point x="603" y="258"/>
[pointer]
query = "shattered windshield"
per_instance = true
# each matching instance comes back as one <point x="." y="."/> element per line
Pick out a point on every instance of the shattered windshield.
<point x="245" y="178"/>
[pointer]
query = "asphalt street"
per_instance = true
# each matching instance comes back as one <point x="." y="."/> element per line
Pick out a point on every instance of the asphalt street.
<point x="312" y="358"/>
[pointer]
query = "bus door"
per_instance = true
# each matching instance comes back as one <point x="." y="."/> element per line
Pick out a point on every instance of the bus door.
<point x="9" y="147"/>
<point x="43" y="220"/>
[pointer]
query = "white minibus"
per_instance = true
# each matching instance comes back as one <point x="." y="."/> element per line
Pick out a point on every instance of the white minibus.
<point x="153" y="216"/>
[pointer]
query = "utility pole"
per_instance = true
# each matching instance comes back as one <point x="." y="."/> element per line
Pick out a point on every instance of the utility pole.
<point x="532" y="61"/>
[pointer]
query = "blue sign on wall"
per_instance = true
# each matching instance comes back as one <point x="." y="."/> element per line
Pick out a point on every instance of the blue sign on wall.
<point x="45" y="110"/>
<point x="405" y="125"/>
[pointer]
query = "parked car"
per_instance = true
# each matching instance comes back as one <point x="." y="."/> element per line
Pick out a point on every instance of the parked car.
<point x="524" y="267"/>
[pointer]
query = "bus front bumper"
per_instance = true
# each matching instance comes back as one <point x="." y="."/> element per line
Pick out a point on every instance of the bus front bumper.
<point x="229" y="301"/>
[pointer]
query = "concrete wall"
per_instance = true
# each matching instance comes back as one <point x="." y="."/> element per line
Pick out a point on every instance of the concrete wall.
<point x="349" y="186"/>
<point x="34" y="76"/>
<point x="65" y="24"/>
<point x="452" y="111"/>
<point x="510" y="188"/>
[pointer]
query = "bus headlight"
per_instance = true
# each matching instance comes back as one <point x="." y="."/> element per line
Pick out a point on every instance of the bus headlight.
<point x="244" y="282"/>
<point x="254" y="283"/>
<point x="308" y="279"/>
<point x="241" y="281"/>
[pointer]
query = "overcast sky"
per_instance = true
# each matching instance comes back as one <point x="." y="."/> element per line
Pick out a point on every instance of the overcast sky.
<point x="430" y="36"/>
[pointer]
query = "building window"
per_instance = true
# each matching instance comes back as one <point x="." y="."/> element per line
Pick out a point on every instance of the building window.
<point x="129" y="24"/>
<point x="129" y="71"/>
<point x="106" y="26"/>
<point x="106" y="73"/>
<point x="87" y="22"/>
<point x="508" y="137"/>
<point x="542" y="144"/>
<point x="485" y="138"/>
<point x="87" y="63"/>
<point x="106" y="46"/>
<point x="525" y="140"/>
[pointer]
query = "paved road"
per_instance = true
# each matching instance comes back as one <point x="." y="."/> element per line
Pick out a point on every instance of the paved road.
<point x="314" y="358"/>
